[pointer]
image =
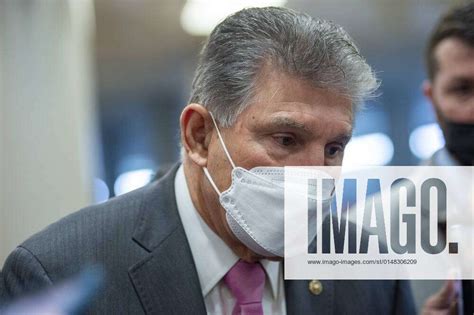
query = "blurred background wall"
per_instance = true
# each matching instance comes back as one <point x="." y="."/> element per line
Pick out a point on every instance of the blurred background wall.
<point x="47" y="119"/>
<point x="91" y="92"/>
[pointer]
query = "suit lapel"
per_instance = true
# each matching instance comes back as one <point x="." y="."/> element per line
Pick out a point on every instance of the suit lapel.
<point x="166" y="280"/>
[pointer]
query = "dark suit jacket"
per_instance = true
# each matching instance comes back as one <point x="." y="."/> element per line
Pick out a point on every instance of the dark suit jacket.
<point x="140" y="241"/>
<point x="3" y="297"/>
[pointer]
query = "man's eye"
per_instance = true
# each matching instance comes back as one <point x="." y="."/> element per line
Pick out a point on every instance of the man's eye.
<point x="463" y="89"/>
<point x="285" y="140"/>
<point x="333" y="150"/>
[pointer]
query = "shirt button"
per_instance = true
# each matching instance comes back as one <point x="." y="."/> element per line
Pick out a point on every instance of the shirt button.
<point x="315" y="287"/>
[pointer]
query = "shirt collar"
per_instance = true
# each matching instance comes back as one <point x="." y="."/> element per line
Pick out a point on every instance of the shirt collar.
<point x="272" y="269"/>
<point x="212" y="257"/>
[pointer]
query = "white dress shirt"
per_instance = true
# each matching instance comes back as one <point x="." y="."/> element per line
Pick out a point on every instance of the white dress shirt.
<point x="213" y="259"/>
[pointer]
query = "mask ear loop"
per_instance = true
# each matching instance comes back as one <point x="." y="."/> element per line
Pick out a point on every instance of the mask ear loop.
<point x="222" y="141"/>
<point x="206" y="171"/>
<point x="209" y="178"/>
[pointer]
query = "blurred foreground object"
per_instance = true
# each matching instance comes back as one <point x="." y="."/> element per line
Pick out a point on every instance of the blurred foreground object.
<point x="67" y="298"/>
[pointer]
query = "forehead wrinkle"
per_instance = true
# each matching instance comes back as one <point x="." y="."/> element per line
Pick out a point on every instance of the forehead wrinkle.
<point x="274" y="93"/>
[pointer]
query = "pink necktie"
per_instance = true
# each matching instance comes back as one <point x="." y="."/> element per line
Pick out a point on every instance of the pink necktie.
<point x="246" y="282"/>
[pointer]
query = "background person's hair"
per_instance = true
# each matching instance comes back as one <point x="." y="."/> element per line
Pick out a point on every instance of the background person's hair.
<point x="456" y="23"/>
<point x="316" y="51"/>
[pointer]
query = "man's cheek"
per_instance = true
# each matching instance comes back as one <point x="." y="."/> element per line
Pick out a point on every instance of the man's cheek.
<point x="450" y="108"/>
<point x="460" y="113"/>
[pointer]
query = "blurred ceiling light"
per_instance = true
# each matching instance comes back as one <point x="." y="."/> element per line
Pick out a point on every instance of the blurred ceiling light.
<point x="132" y="180"/>
<point x="426" y="140"/>
<point x="369" y="150"/>
<point x="199" y="17"/>
<point x="101" y="191"/>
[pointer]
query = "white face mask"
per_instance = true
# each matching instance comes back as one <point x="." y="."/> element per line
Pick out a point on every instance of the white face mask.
<point x="254" y="205"/>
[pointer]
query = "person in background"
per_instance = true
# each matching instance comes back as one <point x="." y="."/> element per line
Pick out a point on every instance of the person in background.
<point x="450" y="90"/>
<point x="450" y="85"/>
<point x="273" y="87"/>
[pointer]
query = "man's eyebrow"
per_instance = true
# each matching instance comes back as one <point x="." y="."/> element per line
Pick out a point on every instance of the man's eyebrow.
<point x="286" y="122"/>
<point x="289" y="123"/>
<point x="344" y="138"/>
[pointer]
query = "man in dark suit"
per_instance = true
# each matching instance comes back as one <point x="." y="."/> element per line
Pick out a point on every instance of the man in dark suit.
<point x="273" y="87"/>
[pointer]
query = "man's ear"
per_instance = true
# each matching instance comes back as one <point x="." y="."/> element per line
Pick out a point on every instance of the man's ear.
<point x="428" y="92"/>
<point x="196" y="127"/>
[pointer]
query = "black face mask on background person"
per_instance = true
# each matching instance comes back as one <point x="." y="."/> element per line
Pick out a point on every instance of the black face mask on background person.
<point x="459" y="138"/>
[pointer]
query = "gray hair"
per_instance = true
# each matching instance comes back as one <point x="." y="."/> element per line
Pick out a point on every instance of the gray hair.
<point x="317" y="51"/>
